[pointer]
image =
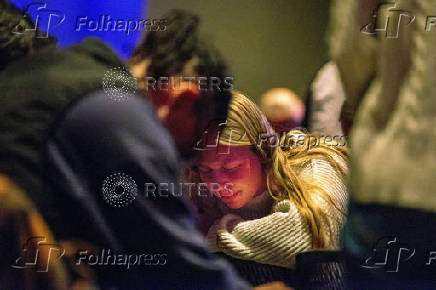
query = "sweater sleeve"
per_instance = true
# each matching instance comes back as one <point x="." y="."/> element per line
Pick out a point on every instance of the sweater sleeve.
<point x="274" y="239"/>
<point x="278" y="237"/>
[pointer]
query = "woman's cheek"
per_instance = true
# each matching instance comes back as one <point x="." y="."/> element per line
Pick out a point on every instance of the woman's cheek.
<point x="210" y="183"/>
<point x="239" y="175"/>
<point x="206" y="177"/>
<point x="231" y="186"/>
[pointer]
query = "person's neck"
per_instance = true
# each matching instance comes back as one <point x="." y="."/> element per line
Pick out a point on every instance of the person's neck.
<point x="261" y="191"/>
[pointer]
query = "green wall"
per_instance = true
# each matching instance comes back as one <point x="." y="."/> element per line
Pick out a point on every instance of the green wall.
<point x="268" y="43"/>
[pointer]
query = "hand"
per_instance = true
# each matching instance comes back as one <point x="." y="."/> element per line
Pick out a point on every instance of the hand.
<point x="233" y="222"/>
<point x="273" y="286"/>
<point x="207" y="212"/>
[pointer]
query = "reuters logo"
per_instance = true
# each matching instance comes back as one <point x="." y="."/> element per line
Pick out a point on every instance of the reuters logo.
<point x="119" y="190"/>
<point x="119" y="83"/>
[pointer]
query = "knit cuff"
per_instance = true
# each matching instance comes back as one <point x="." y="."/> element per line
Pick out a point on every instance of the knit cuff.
<point x="225" y="224"/>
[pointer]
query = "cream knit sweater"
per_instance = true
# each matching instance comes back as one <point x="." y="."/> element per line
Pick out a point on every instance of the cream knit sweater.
<point x="271" y="232"/>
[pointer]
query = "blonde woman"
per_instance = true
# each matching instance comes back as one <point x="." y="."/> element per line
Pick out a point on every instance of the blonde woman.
<point x="271" y="200"/>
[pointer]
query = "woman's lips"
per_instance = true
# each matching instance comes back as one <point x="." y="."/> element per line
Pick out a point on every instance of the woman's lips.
<point x="226" y="197"/>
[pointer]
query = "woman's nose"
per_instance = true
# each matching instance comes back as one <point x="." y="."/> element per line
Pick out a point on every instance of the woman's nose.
<point x="221" y="179"/>
<point x="220" y="188"/>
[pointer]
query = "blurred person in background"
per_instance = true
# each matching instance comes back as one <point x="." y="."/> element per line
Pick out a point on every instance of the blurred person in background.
<point x="283" y="109"/>
<point x="388" y="78"/>
<point x="164" y="61"/>
<point x="325" y="101"/>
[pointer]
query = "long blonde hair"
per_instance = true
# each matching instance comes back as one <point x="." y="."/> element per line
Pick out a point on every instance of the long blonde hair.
<point x="282" y="161"/>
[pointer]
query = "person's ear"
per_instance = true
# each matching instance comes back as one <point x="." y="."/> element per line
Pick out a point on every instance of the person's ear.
<point x="139" y="71"/>
<point x="179" y="101"/>
<point x="159" y="97"/>
<point x="185" y="91"/>
<point x="161" y="101"/>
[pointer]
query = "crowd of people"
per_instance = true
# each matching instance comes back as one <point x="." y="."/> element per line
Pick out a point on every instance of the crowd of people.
<point x="74" y="162"/>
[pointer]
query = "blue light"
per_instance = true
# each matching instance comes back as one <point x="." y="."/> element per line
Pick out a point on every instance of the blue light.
<point x="85" y="18"/>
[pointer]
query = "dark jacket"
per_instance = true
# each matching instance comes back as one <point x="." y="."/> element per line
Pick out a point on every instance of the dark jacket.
<point x="61" y="138"/>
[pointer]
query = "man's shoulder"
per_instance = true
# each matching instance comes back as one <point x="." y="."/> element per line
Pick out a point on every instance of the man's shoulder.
<point x="52" y="67"/>
<point x="128" y="123"/>
<point x="50" y="80"/>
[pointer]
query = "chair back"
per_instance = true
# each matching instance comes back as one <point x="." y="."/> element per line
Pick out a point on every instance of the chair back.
<point x="320" y="269"/>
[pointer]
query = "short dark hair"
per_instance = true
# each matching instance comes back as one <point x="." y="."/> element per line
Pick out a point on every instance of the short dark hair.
<point x="171" y="49"/>
<point x="16" y="45"/>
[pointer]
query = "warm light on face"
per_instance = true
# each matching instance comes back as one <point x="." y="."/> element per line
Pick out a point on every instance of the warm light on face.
<point x="239" y="174"/>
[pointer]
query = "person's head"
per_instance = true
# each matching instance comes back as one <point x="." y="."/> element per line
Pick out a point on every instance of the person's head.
<point x="250" y="160"/>
<point x="236" y="170"/>
<point x="168" y="65"/>
<point x="283" y="109"/>
<point x="17" y="36"/>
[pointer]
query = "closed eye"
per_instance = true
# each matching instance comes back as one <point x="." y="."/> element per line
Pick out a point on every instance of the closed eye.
<point x="204" y="170"/>
<point x="232" y="168"/>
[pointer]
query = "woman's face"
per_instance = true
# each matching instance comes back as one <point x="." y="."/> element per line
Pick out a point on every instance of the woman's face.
<point x="235" y="175"/>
